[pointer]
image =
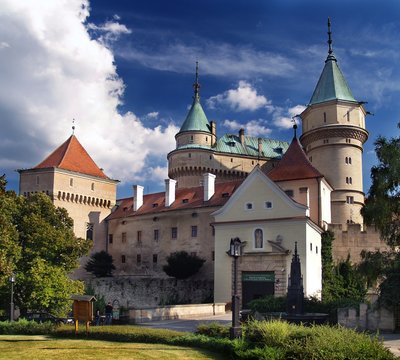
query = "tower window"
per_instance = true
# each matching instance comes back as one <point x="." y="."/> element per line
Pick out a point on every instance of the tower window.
<point x="155" y="258"/>
<point x="174" y="232"/>
<point x="349" y="180"/>
<point x="348" y="115"/>
<point x="89" y="231"/>
<point x="213" y="255"/>
<point x="231" y="160"/>
<point x="206" y="138"/>
<point x="349" y="160"/>
<point x="138" y="259"/>
<point x="139" y="238"/>
<point x="316" y="249"/>
<point x="92" y="186"/>
<point x="348" y="141"/>
<point x="190" y="155"/>
<point x="326" y="141"/>
<point x="156" y="234"/>
<point x="310" y="246"/>
<point x="194" y="231"/>
<point x="324" y="117"/>
<point x="123" y="259"/>
<point x="349" y="199"/>
<point x="210" y="157"/>
<point x="110" y="238"/>
<point x="71" y="182"/>
<point x="123" y="237"/>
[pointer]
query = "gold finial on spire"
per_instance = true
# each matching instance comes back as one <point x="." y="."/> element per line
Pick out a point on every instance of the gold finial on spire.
<point x="196" y="85"/>
<point x="73" y="126"/>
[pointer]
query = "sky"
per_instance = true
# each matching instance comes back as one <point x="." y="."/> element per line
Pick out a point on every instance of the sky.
<point x="122" y="73"/>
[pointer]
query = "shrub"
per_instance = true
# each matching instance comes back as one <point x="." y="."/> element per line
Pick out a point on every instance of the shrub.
<point x="182" y="265"/>
<point x="268" y="303"/>
<point x="214" y="330"/>
<point x="26" y="327"/>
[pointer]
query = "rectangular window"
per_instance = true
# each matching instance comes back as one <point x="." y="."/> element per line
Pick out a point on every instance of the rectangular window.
<point x="268" y="205"/>
<point x="156" y="234"/>
<point x="138" y="259"/>
<point x="123" y="238"/>
<point x="316" y="249"/>
<point x="139" y="238"/>
<point x="71" y="182"/>
<point x="155" y="258"/>
<point x="110" y="238"/>
<point x="123" y="259"/>
<point x="350" y="199"/>
<point x="289" y="193"/>
<point x="213" y="255"/>
<point x="89" y="231"/>
<point x="194" y="231"/>
<point x="174" y="232"/>
<point x="37" y="180"/>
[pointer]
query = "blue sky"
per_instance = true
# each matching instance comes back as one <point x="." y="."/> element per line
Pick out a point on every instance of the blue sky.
<point x="124" y="71"/>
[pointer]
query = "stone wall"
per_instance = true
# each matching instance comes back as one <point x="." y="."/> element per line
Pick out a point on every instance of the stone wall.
<point x="367" y="319"/>
<point x="139" y="292"/>
<point x="352" y="239"/>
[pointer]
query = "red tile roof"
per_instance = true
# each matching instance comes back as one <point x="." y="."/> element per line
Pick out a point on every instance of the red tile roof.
<point x="71" y="155"/>
<point x="155" y="203"/>
<point x="294" y="165"/>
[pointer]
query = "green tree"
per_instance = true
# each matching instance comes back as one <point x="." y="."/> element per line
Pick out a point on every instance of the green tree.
<point x="382" y="210"/>
<point x="100" y="264"/>
<point x="182" y="265"/>
<point x="46" y="251"/>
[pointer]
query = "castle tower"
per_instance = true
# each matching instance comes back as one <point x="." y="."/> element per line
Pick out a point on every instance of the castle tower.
<point x="196" y="133"/>
<point x="334" y="132"/>
<point x="73" y="181"/>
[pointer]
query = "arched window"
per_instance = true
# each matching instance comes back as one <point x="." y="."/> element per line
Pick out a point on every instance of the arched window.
<point x="258" y="239"/>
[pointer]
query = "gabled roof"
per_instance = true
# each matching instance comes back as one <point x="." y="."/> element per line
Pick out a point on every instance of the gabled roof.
<point x="294" y="165"/>
<point x="72" y="156"/>
<point x="186" y="198"/>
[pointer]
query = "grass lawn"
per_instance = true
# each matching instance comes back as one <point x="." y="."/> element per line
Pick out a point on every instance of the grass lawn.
<point x="38" y="347"/>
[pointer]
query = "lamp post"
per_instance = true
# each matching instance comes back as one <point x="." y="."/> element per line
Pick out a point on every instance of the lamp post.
<point x="12" y="281"/>
<point x="234" y="251"/>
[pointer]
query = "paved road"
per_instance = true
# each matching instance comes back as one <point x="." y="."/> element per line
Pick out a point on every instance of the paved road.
<point x="391" y="341"/>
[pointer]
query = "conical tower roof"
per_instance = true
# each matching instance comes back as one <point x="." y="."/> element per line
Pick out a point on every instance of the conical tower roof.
<point x="72" y="156"/>
<point x="331" y="85"/>
<point x="294" y="165"/>
<point x="196" y="119"/>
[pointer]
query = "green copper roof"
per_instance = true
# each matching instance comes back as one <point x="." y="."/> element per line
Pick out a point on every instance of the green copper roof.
<point x="331" y="85"/>
<point x="196" y="119"/>
<point x="230" y="144"/>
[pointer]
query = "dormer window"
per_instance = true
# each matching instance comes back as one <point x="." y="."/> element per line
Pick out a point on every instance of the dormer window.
<point x="155" y="205"/>
<point x="268" y="205"/>
<point x="289" y="193"/>
<point x="185" y="201"/>
<point x="225" y="195"/>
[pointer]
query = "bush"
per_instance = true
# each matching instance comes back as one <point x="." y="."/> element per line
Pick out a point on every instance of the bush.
<point x="268" y="303"/>
<point x="26" y="327"/>
<point x="315" y="342"/>
<point x="182" y="265"/>
<point x="214" y="330"/>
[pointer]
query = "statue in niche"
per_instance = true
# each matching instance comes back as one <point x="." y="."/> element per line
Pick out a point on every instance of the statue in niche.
<point x="258" y="239"/>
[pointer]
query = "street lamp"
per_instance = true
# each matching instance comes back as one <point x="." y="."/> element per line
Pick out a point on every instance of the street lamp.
<point x="235" y="249"/>
<point x="12" y="281"/>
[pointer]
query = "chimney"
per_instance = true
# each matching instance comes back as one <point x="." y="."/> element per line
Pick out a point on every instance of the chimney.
<point x="169" y="192"/>
<point x="241" y="136"/>
<point x="209" y="186"/>
<point x="137" y="197"/>
<point x="259" y="147"/>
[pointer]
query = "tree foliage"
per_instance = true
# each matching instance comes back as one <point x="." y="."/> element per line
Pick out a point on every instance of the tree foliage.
<point x="342" y="280"/>
<point x="39" y="246"/>
<point x="382" y="206"/>
<point x="382" y="210"/>
<point x="182" y="265"/>
<point x="100" y="264"/>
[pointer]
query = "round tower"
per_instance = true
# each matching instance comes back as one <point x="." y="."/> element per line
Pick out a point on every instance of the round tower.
<point x="334" y="132"/>
<point x="193" y="155"/>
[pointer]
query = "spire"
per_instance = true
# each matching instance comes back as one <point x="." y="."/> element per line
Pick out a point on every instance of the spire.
<point x="331" y="56"/>
<point x="196" y="85"/>
<point x="331" y="85"/>
<point x="196" y="119"/>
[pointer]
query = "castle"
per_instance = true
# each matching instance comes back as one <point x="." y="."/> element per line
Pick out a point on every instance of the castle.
<point x="269" y="193"/>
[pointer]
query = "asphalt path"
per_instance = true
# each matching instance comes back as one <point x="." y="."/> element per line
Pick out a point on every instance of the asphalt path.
<point x="390" y="340"/>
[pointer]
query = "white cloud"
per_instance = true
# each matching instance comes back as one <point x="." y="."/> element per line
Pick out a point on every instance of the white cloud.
<point x="245" y="97"/>
<point x="217" y="59"/>
<point x="50" y="77"/>
<point x="252" y="128"/>
<point x="152" y="115"/>
<point x="3" y="45"/>
<point x="283" y="118"/>
<point x="109" y="31"/>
